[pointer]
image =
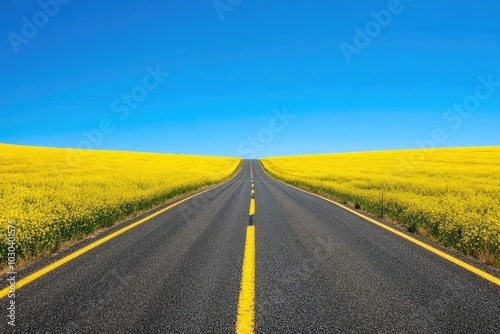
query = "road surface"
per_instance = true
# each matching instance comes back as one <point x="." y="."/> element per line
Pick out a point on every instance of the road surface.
<point x="316" y="269"/>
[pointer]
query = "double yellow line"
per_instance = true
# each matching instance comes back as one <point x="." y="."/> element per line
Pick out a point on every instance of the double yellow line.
<point x="246" y="304"/>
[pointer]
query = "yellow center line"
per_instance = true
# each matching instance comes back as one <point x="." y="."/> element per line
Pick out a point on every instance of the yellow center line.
<point x="4" y="292"/>
<point x="252" y="207"/>
<point x="246" y="303"/>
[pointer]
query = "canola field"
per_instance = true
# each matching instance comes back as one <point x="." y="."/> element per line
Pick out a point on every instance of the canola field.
<point x="55" y="195"/>
<point x="449" y="195"/>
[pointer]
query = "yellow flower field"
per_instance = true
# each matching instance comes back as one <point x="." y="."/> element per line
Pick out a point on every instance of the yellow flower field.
<point x="450" y="195"/>
<point x="56" y="195"/>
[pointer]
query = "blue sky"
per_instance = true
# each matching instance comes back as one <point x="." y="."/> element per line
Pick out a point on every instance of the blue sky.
<point x="420" y="73"/>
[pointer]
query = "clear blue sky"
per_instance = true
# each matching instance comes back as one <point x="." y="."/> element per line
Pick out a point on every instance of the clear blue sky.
<point x="225" y="77"/>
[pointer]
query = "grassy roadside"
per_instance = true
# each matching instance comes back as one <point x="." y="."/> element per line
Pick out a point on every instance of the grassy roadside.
<point x="52" y="201"/>
<point x="24" y="261"/>
<point x="470" y="236"/>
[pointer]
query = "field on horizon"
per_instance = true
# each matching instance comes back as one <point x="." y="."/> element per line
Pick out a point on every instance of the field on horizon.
<point x="450" y="195"/>
<point x="57" y="195"/>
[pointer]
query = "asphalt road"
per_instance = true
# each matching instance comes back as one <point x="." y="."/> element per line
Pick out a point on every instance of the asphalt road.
<point x="318" y="269"/>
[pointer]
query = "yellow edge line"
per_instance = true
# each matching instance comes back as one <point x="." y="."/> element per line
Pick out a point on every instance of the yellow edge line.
<point x="477" y="271"/>
<point x="4" y="292"/>
<point x="246" y="303"/>
<point x="252" y="207"/>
